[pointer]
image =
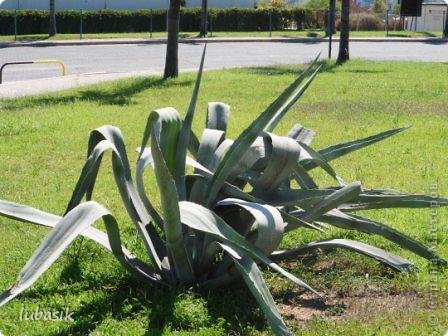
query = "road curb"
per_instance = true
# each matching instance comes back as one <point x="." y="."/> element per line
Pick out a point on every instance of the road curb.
<point x="435" y="40"/>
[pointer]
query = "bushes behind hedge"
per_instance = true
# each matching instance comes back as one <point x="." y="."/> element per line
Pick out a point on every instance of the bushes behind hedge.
<point x="121" y="21"/>
<point x="363" y="21"/>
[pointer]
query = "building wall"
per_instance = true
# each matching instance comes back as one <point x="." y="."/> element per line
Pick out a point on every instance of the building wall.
<point x="432" y="19"/>
<point x="115" y="4"/>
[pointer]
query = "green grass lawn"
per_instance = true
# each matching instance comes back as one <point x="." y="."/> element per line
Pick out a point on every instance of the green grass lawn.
<point x="290" y="33"/>
<point x="43" y="142"/>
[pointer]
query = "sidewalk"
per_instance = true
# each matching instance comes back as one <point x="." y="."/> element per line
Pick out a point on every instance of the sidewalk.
<point x="88" y="42"/>
<point x="46" y="85"/>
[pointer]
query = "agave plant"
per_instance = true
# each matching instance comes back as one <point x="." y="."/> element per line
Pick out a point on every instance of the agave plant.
<point x="225" y="205"/>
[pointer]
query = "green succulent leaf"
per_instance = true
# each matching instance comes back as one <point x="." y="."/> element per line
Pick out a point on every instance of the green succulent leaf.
<point x="388" y="259"/>
<point x="307" y="154"/>
<point x="30" y="215"/>
<point x="170" y="207"/>
<point x="233" y="191"/>
<point x="283" y="155"/>
<point x="110" y="138"/>
<point x="331" y="202"/>
<point x="202" y="219"/>
<point x="268" y="222"/>
<point x="60" y="237"/>
<point x="301" y="134"/>
<point x="143" y="162"/>
<point x="373" y="199"/>
<point x="218" y="116"/>
<point x="336" y="151"/>
<point x="180" y="152"/>
<point x="353" y="222"/>
<point x="281" y="112"/>
<point x="210" y="141"/>
<point x="266" y="121"/>
<point x="253" y="278"/>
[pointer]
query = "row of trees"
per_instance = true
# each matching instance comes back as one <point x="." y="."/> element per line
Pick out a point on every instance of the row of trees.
<point x="172" y="61"/>
<point x="52" y="24"/>
<point x="172" y="50"/>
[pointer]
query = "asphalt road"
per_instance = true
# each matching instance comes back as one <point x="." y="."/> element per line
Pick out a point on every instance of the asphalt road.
<point x="127" y="58"/>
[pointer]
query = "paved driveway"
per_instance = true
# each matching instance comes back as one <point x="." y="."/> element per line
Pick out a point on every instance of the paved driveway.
<point x="151" y="57"/>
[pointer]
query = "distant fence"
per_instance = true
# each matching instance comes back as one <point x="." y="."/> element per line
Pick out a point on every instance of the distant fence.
<point x="28" y="22"/>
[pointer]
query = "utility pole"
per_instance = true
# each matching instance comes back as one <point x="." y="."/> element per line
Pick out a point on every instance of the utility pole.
<point x="204" y="12"/>
<point x="445" y="30"/>
<point x="331" y="17"/>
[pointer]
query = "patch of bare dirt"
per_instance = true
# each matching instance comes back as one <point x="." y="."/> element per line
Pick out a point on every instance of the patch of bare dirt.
<point x="306" y="306"/>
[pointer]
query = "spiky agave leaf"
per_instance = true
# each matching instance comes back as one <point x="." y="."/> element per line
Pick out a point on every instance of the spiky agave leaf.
<point x="301" y="134"/>
<point x="261" y="224"/>
<point x="30" y="215"/>
<point x="266" y="121"/>
<point x="395" y="262"/>
<point x="336" y="151"/>
<point x="218" y="116"/>
<point x="184" y="136"/>
<point x="169" y="200"/>
<point x="367" y="199"/>
<point x="245" y="195"/>
<point x="109" y="138"/>
<point x="202" y="219"/>
<point x="354" y="222"/>
<point x="61" y="236"/>
<point x="255" y="282"/>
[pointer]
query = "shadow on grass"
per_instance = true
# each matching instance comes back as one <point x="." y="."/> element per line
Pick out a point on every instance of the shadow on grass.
<point x="32" y="38"/>
<point x="118" y="93"/>
<point x="232" y="308"/>
<point x="120" y="297"/>
<point x="423" y="34"/>
<point x="272" y="70"/>
<point x="312" y="34"/>
<point x="289" y="70"/>
<point x="127" y="299"/>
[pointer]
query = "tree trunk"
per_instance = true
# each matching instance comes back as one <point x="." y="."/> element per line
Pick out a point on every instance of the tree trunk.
<point x="52" y="28"/>
<point x="203" y="32"/>
<point x="344" y="54"/>
<point x="172" y="46"/>
<point x="445" y="30"/>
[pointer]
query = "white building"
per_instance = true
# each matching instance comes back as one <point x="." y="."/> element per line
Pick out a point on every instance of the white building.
<point x="116" y="4"/>
<point x="433" y="17"/>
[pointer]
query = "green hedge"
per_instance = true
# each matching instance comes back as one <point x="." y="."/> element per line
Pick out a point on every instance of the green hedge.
<point x="114" y="21"/>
